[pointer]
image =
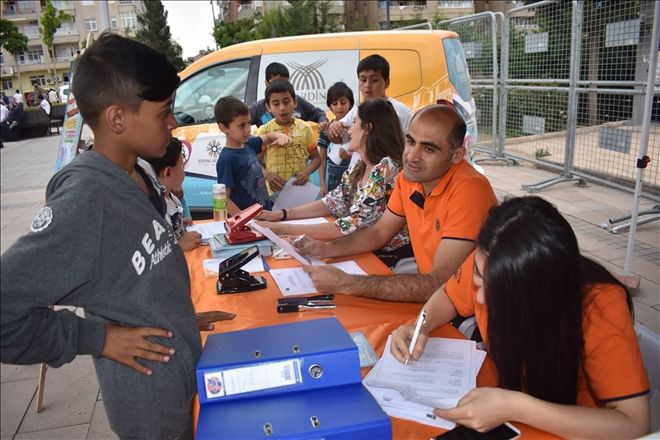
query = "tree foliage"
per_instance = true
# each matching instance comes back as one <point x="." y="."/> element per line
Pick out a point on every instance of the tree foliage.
<point x="11" y="39"/>
<point x="13" y="42"/>
<point x="50" y="21"/>
<point x="227" y="33"/>
<point x="154" y="31"/>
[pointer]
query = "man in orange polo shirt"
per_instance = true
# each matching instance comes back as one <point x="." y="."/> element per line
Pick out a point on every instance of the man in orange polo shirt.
<point x="441" y="198"/>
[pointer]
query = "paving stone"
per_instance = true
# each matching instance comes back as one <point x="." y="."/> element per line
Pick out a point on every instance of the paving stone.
<point x="69" y="397"/>
<point x="63" y="433"/>
<point x="99" y="429"/>
<point x="15" y="398"/>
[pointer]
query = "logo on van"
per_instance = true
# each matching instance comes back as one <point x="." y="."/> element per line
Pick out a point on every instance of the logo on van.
<point x="213" y="148"/>
<point x="307" y="77"/>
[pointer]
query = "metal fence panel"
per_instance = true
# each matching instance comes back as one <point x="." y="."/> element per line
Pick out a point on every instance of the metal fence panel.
<point x="480" y="40"/>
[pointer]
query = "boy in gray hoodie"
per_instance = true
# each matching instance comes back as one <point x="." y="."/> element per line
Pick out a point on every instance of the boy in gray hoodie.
<point x="101" y="242"/>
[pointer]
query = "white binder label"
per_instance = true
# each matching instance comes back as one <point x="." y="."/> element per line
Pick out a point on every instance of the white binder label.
<point x="254" y="378"/>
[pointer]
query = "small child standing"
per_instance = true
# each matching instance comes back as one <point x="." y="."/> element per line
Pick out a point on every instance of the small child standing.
<point x="340" y="100"/>
<point x="170" y="171"/>
<point x="238" y="166"/>
<point x="291" y="160"/>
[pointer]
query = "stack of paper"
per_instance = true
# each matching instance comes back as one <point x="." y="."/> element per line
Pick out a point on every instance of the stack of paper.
<point x="209" y="229"/>
<point x="445" y="373"/>
<point x="295" y="281"/>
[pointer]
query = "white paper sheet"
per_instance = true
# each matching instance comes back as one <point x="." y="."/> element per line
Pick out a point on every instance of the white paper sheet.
<point x="255" y="265"/>
<point x="295" y="195"/>
<point x="307" y="221"/>
<point x="333" y="155"/>
<point x="288" y="247"/>
<point x="440" y="378"/>
<point x="295" y="281"/>
<point x="208" y="229"/>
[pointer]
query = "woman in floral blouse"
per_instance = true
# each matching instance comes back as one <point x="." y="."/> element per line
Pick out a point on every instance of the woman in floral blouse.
<point x="361" y="197"/>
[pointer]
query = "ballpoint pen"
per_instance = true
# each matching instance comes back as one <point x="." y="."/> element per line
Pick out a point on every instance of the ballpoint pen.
<point x="418" y="327"/>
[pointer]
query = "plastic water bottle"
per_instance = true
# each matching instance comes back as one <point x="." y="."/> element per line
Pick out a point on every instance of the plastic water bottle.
<point x="219" y="202"/>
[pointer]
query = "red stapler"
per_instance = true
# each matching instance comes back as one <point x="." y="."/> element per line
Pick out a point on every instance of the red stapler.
<point x="237" y="231"/>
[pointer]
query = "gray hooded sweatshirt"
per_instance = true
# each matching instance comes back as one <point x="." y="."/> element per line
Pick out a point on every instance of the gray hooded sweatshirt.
<point x="99" y="243"/>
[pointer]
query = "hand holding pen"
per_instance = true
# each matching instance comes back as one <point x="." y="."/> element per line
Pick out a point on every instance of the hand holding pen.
<point x="415" y="336"/>
<point x="408" y="342"/>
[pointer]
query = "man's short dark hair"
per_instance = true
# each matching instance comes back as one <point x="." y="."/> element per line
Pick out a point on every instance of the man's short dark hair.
<point x="339" y="90"/>
<point x="456" y="135"/>
<point x="229" y="108"/>
<point x="376" y="63"/>
<point x="172" y="155"/>
<point x="279" y="86"/>
<point x="119" y="71"/>
<point x="276" y="69"/>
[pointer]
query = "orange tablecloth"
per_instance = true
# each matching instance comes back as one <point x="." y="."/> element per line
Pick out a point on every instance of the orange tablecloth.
<point x="376" y="319"/>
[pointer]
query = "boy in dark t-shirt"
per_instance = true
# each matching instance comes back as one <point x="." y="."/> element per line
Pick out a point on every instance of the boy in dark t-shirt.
<point x="238" y="166"/>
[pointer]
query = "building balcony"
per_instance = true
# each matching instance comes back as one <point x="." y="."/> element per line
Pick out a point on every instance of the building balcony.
<point x="7" y="72"/>
<point x="65" y="38"/>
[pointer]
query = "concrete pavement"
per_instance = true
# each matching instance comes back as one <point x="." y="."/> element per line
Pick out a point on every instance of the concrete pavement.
<point x="73" y="408"/>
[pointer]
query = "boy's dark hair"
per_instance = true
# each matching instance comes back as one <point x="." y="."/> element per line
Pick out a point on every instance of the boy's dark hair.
<point x="118" y="70"/>
<point x="279" y="86"/>
<point x="375" y="62"/>
<point x="229" y="108"/>
<point x="172" y="155"/>
<point x="339" y="90"/>
<point x="276" y="69"/>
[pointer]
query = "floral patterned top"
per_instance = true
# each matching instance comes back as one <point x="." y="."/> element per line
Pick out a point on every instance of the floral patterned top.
<point x="362" y="207"/>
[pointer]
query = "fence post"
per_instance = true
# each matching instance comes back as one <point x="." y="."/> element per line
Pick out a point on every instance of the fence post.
<point x="644" y="141"/>
<point x="576" y="46"/>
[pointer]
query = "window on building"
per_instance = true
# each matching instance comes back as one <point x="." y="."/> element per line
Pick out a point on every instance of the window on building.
<point x="90" y="24"/>
<point x="87" y="2"/>
<point x="34" y="55"/>
<point x="63" y="4"/>
<point x="128" y="20"/>
<point x="39" y="79"/>
<point x="67" y="28"/>
<point x="2" y="59"/>
<point x="65" y="53"/>
<point x="31" y="31"/>
<point x="456" y="4"/>
<point x="113" y="22"/>
<point x="7" y="84"/>
<point x="125" y="2"/>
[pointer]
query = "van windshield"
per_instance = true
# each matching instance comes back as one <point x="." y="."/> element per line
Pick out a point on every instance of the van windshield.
<point x="457" y="67"/>
<point x="196" y="96"/>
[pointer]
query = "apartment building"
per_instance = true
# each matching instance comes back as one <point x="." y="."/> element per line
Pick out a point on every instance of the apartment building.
<point x="370" y="13"/>
<point x="36" y="63"/>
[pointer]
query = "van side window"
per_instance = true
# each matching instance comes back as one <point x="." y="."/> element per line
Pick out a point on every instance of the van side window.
<point x="457" y="67"/>
<point x="197" y="95"/>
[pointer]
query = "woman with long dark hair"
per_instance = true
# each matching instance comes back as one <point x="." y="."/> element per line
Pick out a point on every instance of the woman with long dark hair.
<point x="361" y="197"/>
<point x="558" y="326"/>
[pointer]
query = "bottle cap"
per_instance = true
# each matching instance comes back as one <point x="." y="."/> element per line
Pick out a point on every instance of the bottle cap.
<point x="218" y="188"/>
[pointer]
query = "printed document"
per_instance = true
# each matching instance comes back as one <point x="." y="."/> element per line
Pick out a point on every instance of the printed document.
<point x="209" y="229"/>
<point x="443" y="375"/>
<point x="295" y="281"/>
<point x="283" y="244"/>
<point x="295" y="195"/>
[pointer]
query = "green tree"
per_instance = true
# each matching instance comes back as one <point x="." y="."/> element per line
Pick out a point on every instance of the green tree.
<point x="13" y="42"/>
<point x="154" y="31"/>
<point x="271" y="25"/>
<point x="50" y="21"/>
<point x="227" y="33"/>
